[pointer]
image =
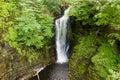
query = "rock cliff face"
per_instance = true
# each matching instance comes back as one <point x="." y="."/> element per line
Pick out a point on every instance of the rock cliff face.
<point x="12" y="66"/>
<point x="16" y="67"/>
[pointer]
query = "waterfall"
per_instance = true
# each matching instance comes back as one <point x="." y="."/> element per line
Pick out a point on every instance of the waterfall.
<point x="58" y="71"/>
<point x="61" y="37"/>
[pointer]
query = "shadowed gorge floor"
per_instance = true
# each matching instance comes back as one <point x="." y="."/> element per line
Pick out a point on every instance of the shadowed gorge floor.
<point x="53" y="72"/>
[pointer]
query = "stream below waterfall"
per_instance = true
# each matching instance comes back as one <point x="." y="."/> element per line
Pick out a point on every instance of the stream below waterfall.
<point x="54" y="71"/>
<point x="58" y="70"/>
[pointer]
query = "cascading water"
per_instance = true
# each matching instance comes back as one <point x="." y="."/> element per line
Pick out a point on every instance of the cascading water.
<point x="58" y="71"/>
<point x="61" y="37"/>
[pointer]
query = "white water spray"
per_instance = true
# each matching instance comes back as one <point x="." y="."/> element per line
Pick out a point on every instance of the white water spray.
<point x="61" y="34"/>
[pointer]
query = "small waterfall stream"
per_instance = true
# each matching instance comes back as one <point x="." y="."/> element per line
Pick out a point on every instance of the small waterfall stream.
<point x="58" y="70"/>
<point x="61" y="37"/>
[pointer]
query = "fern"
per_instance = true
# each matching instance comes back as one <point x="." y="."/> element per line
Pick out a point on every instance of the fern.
<point x="105" y="59"/>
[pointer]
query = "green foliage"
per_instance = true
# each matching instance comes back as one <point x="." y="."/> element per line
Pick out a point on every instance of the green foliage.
<point x="115" y="75"/>
<point x="86" y="47"/>
<point x="101" y="12"/>
<point x="26" y="25"/>
<point x="83" y="10"/>
<point x="98" y="15"/>
<point x="7" y="14"/>
<point x="34" y="27"/>
<point x="7" y="19"/>
<point x="105" y="59"/>
<point x="102" y="18"/>
<point x="52" y="5"/>
<point x="108" y="13"/>
<point x="79" y="63"/>
<point x="78" y="68"/>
